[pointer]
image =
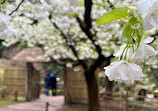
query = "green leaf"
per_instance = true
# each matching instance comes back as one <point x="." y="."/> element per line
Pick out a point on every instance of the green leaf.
<point x="139" y="34"/>
<point x="137" y="26"/>
<point x="128" y="32"/>
<point x="137" y="15"/>
<point x="102" y="4"/>
<point x="79" y="43"/>
<point x="115" y="14"/>
<point x="73" y="14"/>
<point x="81" y="3"/>
<point x="140" y="29"/>
<point x="134" y="23"/>
<point x="94" y="38"/>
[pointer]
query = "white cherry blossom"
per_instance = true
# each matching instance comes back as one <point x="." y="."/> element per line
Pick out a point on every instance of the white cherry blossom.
<point x="123" y="71"/>
<point x="5" y="30"/>
<point x="140" y="54"/>
<point x="149" y="12"/>
<point x="73" y="2"/>
<point x="48" y="36"/>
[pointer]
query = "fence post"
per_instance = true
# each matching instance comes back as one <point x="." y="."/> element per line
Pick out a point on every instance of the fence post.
<point x="47" y="106"/>
<point x="16" y="95"/>
<point x="126" y="100"/>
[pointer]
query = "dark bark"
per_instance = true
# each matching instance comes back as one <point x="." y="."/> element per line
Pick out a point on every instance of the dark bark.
<point x="87" y="15"/>
<point x="93" y="91"/>
<point x="109" y="87"/>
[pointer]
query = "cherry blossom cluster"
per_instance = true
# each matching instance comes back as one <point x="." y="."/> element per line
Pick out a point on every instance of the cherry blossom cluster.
<point x="5" y="30"/>
<point x="34" y="23"/>
<point x="45" y="34"/>
<point x="125" y="70"/>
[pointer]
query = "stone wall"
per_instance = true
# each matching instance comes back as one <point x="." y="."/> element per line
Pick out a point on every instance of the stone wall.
<point x="75" y="85"/>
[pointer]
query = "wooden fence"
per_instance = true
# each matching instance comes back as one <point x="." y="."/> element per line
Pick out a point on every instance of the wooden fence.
<point x="127" y="102"/>
<point x="14" y="79"/>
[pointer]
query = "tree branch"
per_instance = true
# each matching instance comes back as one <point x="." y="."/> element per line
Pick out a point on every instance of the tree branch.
<point x="100" y="61"/>
<point x="51" y="58"/>
<point x="69" y="45"/>
<point x="87" y="15"/>
<point x="89" y="34"/>
<point x="86" y="28"/>
<point x="17" y="7"/>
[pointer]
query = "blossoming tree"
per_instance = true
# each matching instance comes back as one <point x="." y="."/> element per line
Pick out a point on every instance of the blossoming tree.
<point x="57" y="31"/>
<point x="68" y="29"/>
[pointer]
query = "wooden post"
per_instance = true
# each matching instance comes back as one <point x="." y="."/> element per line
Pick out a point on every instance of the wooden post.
<point x="126" y="100"/>
<point x="28" y="84"/>
<point x="16" y="95"/>
<point x="47" y="106"/>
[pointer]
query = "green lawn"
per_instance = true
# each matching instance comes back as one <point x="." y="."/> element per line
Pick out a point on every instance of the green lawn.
<point x="6" y="102"/>
<point x="10" y="101"/>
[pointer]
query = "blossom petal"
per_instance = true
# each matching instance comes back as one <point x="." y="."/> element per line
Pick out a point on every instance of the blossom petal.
<point x="3" y="26"/>
<point x="148" y="40"/>
<point x="154" y="20"/>
<point x="123" y="72"/>
<point x="150" y="51"/>
<point x="4" y="18"/>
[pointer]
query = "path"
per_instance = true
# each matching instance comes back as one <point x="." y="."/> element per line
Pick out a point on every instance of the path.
<point x="56" y="102"/>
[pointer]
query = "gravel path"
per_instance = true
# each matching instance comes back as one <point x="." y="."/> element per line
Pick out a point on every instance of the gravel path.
<point x="56" y="102"/>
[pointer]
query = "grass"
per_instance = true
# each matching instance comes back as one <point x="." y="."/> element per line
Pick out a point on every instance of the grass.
<point x="7" y="102"/>
<point x="10" y="101"/>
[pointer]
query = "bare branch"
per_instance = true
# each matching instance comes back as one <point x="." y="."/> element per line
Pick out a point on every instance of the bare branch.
<point x="87" y="24"/>
<point x="17" y="7"/>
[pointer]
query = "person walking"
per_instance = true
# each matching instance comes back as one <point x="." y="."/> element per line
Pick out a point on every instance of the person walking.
<point x="53" y="83"/>
<point x="47" y="84"/>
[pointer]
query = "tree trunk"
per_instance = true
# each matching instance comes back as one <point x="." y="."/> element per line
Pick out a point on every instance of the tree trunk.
<point x="109" y="87"/>
<point x="93" y="92"/>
